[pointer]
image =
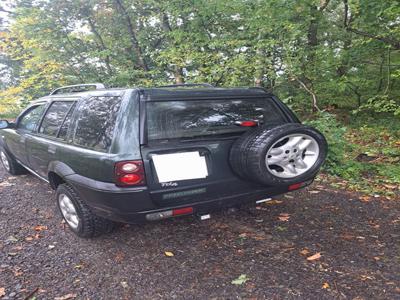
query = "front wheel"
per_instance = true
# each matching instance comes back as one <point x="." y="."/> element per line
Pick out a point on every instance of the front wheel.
<point x="10" y="164"/>
<point x="78" y="215"/>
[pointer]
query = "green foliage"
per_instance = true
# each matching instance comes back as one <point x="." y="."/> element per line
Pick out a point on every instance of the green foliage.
<point x="366" y="153"/>
<point x="380" y="104"/>
<point x="306" y="50"/>
<point x="336" y="163"/>
<point x="315" y="55"/>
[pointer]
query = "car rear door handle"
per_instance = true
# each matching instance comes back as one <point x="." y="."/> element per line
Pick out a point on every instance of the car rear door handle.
<point x="52" y="149"/>
<point x="22" y="139"/>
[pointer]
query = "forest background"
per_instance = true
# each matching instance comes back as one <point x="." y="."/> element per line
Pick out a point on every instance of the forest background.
<point x="336" y="63"/>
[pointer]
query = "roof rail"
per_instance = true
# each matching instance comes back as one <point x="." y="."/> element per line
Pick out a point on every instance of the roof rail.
<point x="187" y="85"/>
<point x="259" y="88"/>
<point x="75" y="88"/>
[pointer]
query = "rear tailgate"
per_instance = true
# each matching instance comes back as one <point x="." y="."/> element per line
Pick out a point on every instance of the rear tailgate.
<point x="203" y="130"/>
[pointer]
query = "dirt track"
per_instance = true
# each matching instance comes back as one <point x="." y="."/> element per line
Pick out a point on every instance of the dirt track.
<point x="359" y="243"/>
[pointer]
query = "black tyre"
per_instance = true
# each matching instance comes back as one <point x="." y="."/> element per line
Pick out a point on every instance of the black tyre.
<point x="279" y="155"/>
<point x="10" y="164"/>
<point x="78" y="216"/>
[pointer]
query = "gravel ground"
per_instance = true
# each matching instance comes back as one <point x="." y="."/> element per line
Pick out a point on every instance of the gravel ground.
<point x="358" y="243"/>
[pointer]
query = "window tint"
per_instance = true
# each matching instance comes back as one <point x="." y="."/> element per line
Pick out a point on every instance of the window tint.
<point x="187" y="119"/>
<point x="31" y="118"/>
<point x="96" y="122"/>
<point x="64" y="127"/>
<point x="54" y="117"/>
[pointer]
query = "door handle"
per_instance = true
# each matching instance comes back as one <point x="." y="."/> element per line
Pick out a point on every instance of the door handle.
<point x="22" y="139"/>
<point x="52" y="149"/>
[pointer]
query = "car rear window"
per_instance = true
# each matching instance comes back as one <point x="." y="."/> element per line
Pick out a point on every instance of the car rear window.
<point x="188" y="119"/>
<point x="96" y="121"/>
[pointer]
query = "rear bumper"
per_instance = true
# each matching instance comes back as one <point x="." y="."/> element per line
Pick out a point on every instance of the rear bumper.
<point x="131" y="205"/>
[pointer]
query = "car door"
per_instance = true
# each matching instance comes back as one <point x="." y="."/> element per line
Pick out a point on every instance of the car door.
<point x="26" y="124"/>
<point x="42" y="145"/>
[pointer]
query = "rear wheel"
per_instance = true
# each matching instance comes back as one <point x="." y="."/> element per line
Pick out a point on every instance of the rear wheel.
<point x="10" y="164"/>
<point x="78" y="215"/>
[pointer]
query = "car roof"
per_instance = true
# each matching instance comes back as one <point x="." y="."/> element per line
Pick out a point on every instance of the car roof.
<point x="163" y="93"/>
<point x="178" y="93"/>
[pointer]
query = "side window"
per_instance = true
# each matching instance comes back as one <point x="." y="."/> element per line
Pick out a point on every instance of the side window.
<point x="54" y="117"/>
<point x="96" y="122"/>
<point x="67" y="121"/>
<point x="30" y="119"/>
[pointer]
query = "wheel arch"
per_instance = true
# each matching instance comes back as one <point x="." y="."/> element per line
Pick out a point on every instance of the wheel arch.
<point x="57" y="171"/>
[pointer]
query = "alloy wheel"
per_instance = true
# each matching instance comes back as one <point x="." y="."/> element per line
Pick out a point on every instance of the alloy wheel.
<point x="5" y="161"/>
<point x="68" y="210"/>
<point x="292" y="155"/>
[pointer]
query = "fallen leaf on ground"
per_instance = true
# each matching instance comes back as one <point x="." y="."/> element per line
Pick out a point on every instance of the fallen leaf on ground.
<point x="281" y="228"/>
<point x="119" y="257"/>
<point x="326" y="285"/>
<point x="2" y="292"/>
<point x="391" y="186"/>
<point x="365" y="198"/>
<point x="66" y="297"/>
<point x="284" y="217"/>
<point x="168" y="253"/>
<point x="40" y="228"/>
<point x="314" y="257"/>
<point x="240" y="280"/>
<point x="12" y="239"/>
<point x="274" y="202"/>
<point x="366" y="277"/>
<point x="18" y="272"/>
<point x="304" y="252"/>
<point x="124" y="284"/>
<point x="347" y="237"/>
<point x="313" y="192"/>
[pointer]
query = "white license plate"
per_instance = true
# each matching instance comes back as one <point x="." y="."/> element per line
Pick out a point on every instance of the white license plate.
<point x="180" y="166"/>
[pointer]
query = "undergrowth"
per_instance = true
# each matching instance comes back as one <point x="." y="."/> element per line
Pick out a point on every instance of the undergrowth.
<point x="364" y="153"/>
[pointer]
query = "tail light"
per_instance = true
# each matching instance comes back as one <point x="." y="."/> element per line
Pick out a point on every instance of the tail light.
<point x="249" y="123"/>
<point x="129" y="173"/>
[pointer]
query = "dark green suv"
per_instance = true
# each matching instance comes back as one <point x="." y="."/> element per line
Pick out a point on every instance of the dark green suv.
<point x="145" y="154"/>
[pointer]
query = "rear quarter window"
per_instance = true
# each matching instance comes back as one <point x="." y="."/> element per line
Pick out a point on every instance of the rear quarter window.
<point x="95" y="122"/>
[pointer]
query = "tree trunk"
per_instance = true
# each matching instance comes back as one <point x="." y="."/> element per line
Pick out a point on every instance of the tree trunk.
<point x="178" y="74"/>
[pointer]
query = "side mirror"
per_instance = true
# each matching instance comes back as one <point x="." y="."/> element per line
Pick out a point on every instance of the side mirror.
<point x="5" y="124"/>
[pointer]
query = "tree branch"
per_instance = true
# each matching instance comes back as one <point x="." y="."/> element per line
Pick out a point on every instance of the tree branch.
<point x="392" y="42"/>
<point x="132" y="34"/>
<point x="347" y="20"/>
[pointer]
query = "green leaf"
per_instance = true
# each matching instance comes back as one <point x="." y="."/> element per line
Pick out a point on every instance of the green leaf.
<point x="240" y="280"/>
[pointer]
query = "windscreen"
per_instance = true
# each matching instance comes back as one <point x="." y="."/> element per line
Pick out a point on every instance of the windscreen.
<point x="195" y="118"/>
